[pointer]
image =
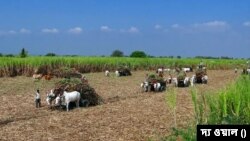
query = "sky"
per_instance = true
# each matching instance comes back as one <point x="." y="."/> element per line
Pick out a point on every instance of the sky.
<point x="184" y="28"/>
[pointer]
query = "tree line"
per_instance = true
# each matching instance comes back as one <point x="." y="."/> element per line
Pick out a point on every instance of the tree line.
<point x="118" y="53"/>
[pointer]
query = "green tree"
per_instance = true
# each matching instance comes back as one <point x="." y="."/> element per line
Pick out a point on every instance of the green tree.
<point x="117" y="53"/>
<point x="50" y="54"/>
<point x="137" y="53"/>
<point x="23" y="53"/>
<point x="9" y="55"/>
<point x="1" y="54"/>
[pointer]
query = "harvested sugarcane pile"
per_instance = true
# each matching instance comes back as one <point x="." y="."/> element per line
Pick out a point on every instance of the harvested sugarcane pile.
<point x="124" y="71"/>
<point x="74" y="84"/>
<point x="154" y="83"/>
<point x="152" y="78"/>
<point x="181" y="75"/>
<point x="200" y="72"/>
<point x="66" y="73"/>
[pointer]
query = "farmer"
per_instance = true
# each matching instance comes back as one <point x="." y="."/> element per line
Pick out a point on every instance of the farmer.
<point x="84" y="79"/>
<point x="201" y="64"/>
<point x="177" y="69"/>
<point x="235" y="70"/>
<point x="169" y="79"/>
<point x="147" y="78"/>
<point x="38" y="99"/>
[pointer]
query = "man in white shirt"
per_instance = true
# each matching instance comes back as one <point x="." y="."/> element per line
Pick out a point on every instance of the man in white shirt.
<point x="38" y="99"/>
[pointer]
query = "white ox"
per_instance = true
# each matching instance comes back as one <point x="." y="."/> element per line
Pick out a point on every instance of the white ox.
<point x="204" y="79"/>
<point x="167" y="70"/>
<point x="186" y="81"/>
<point x="157" y="87"/>
<point x="37" y="76"/>
<point x="192" y="80"/>
<point x="248" y="71"/>
<point x="145" y="86"/>
<point x="106" y="73"/>
<point x="159" y="70"/>
<point x="187" y="69"/>
<point x="117" y="73"/>
<point x="71" y="97"/>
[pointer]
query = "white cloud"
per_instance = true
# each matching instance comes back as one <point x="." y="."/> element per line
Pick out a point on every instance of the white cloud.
<point x="75" y="30"/>
<point x="50" y="30"/>
<point x="212" y="24"/>
<point x="130" y="30"/>
<point x="11" y="32"/>
<point x="179" y="28"/>
<point x="246" y="23"/>
<point x="24" y="31"/>
<point x="157" y="26"/>
<point x="175" y="26"/>
<point x="105" y="28"/>
<point x="133" y="30"/>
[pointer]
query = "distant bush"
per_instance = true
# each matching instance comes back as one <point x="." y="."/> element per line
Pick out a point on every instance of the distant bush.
<point x="117" y="53"/>
<point x="139" y="54"/>
<point x="50" y="54"/>
<point x="69" y="55"/>
<point x="226" y="57"/>
<point x="9" y="55"/>
<point x="1" y="55"/>
<point x="206" y="57"/>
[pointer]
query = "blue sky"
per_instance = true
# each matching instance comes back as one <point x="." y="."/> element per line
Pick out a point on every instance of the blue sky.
<point x="97" y="27"/>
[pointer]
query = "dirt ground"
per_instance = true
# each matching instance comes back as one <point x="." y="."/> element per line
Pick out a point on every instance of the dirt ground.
<point x="127" y="115"/>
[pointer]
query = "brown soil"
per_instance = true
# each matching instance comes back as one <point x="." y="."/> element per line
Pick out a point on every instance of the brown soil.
<point x="128" y="114"/>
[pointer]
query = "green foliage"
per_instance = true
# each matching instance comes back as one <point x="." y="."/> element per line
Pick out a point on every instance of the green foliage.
<point x="179" y="57"/>
<point x="138" y="54"/>
<point x="229" y="106"/>
<point x="113" y="62"/>
<point x="188" y="134"/>
<point x="9" y="55"/>
<point x="1" y="55"/>
<point x="71" y="81"/>
<point x="181" y="75"/>
<point x="50" y="54"/>
<point x="99" y="64"/>
<point x="117" y="53"/>
<point x="154" y="78"/>
<point x="23" y="53"/>
<point x="232" y="105"/>
<point x="171" y="98"/>
<point x="199" y="106"/>
<point x="211" y="57"/>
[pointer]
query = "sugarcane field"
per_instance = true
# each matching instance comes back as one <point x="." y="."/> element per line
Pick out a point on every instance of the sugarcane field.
<point x="117" y="107"/>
